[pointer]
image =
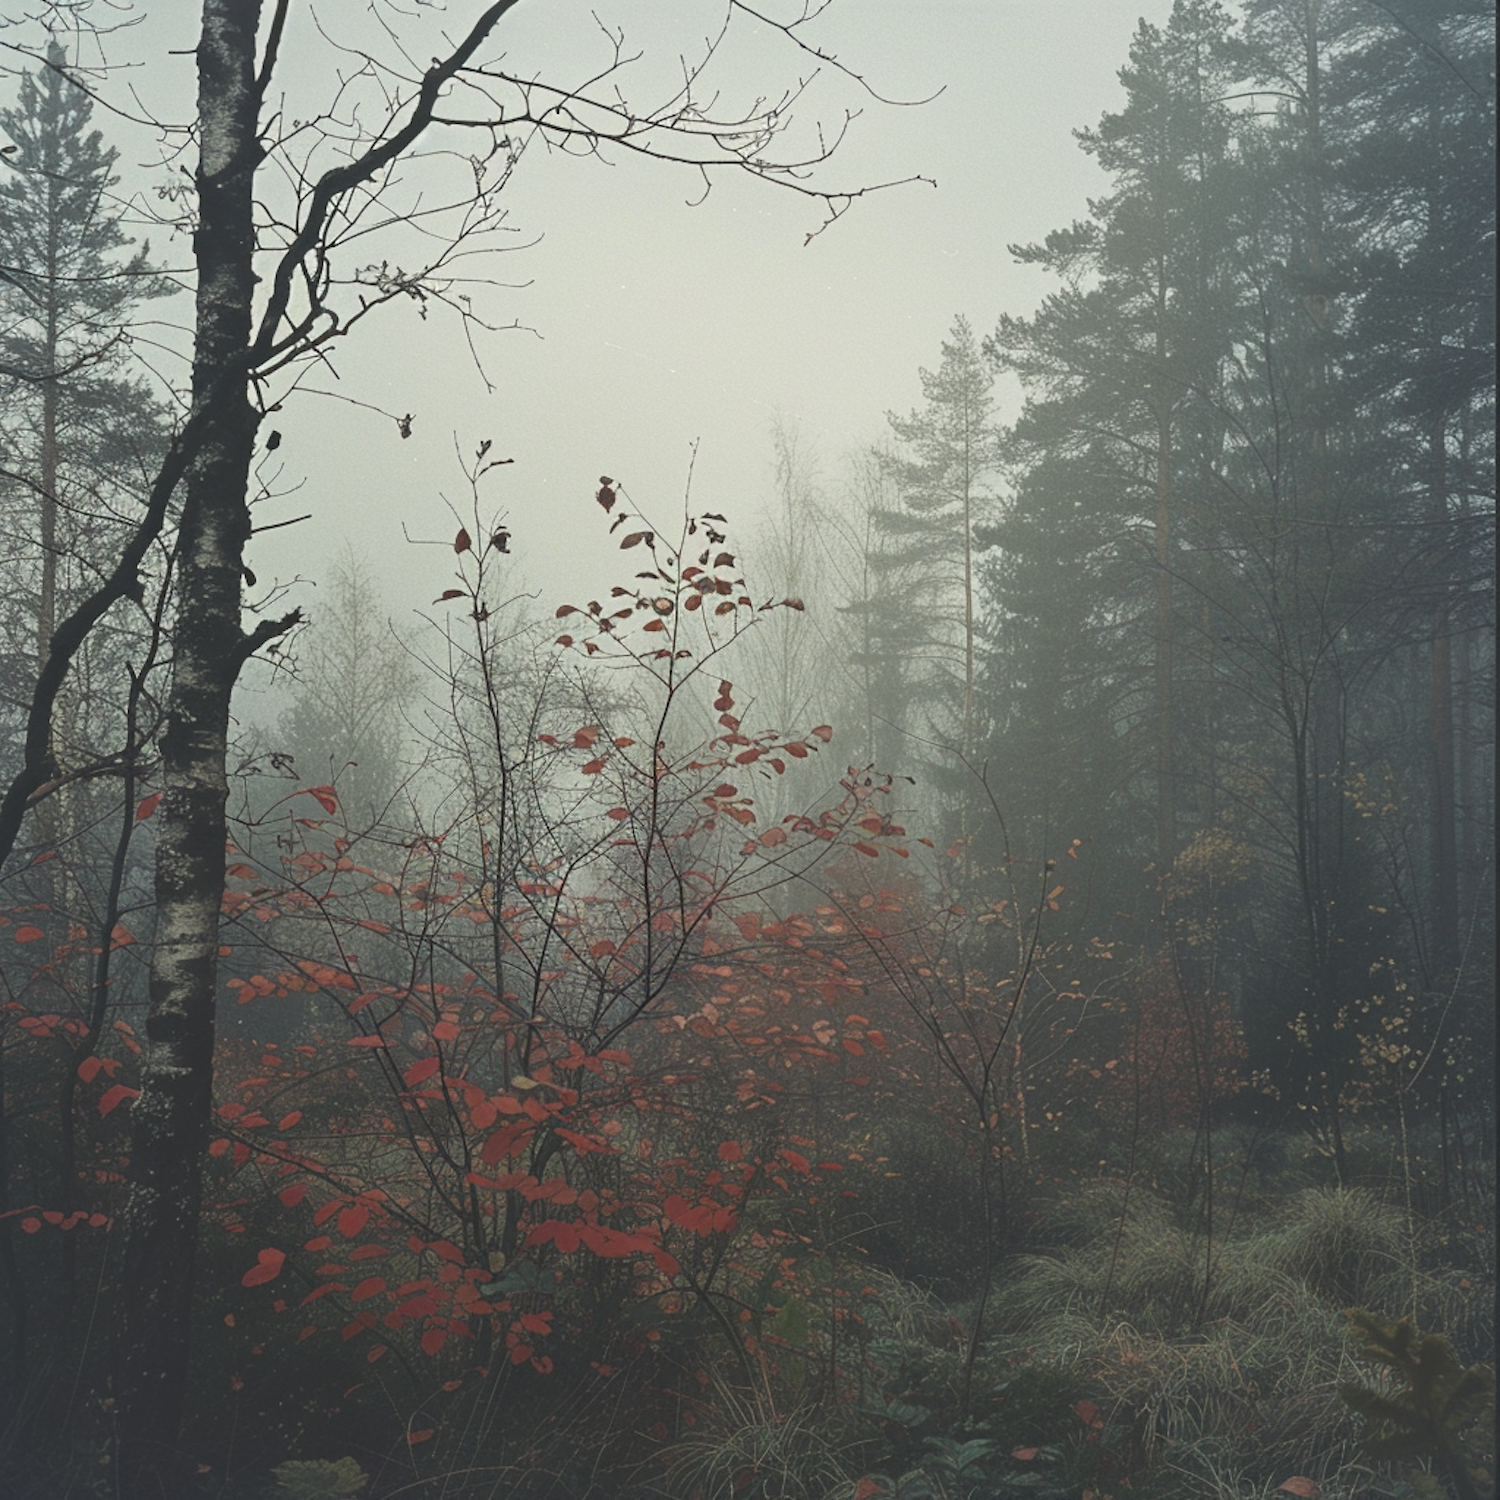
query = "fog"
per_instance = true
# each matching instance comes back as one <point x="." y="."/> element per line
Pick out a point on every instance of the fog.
<point x="652" y="325"/>
<point x="972" y="978"/>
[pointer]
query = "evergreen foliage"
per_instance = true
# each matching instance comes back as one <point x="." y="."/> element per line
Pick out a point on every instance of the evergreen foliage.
<point x="943" y="463"/>
<point x="1241" y="589"/>
<point x="78" y="430"/>
<point x="1428" y="1417"/>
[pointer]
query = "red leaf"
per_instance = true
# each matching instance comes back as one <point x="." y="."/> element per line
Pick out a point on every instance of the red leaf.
<point x="419" y="1072"/>
<point x="146" y="806"/>
<point x="619" y="814"/>
<point x="29" y="934"/>
<point x="371" y="1286"/>
<point x="352" y="1219"/>
<point x="1300" y="1484"/>
<point x="1024" y="1453"/>
<point x="432" y="1341"/>
<point x="697" y="1217"/>
<point x="267" y="1267"/>
<point x="293" y="1195"/>
<point x="824" y="732"/>
<point x="117" y="1094"/>
<point x="448" y="594"/>
<point x="327" y="798"/>
<point x="563" y="1234"/>
<point x="730" y="1151"/>
<point x="424" y="1433"/>
<point x="462" y="542"/>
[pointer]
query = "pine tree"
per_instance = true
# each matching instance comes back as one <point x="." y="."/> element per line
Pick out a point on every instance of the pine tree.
<point x="1123" y="368"/>
<point x="77" y="439"/>
<point x="874" y="585"/>
<point x="944" y="462"/>
<point x="1416" y="170"/>
<point x="77" y="434"/>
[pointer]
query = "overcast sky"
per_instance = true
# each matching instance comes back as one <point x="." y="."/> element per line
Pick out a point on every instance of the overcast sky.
<point x="650" y="325"/>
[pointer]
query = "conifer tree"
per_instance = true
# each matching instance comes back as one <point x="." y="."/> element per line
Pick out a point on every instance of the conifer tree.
<point x="1123" y="366"/>
<point x="78" y="435"/>
<point x="943" y="466"/>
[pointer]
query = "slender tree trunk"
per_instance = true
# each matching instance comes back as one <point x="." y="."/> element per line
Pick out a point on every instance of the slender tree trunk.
<point x="1472" y="817"/>
<point x="172" y="1113"/>
<point x="1444" y="855"/>
<point x="49" y="891"/>
<point x="968" y="616"/>
<point x="13" y="1368"/>
<point x="1444" y="887"/>
<point x="46" y="615"/>
<point x="52" y="877"/>
<point x="1166" y="800"/>
<point x="46" y="619"/>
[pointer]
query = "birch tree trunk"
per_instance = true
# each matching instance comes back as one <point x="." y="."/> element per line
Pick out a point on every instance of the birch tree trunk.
<point x="172" y="1113"/>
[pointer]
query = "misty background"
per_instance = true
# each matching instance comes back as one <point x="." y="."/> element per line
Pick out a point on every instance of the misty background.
<point x="1049" y="786"/>
<point x="648" y="324"/>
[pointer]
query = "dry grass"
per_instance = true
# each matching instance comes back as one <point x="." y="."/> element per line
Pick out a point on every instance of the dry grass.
<point x="743" y="1449"/>
<point x="1231" y="1387"/>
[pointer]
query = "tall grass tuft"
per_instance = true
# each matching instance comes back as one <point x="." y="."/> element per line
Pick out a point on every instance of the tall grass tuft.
<point x="745" y="1449"/>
